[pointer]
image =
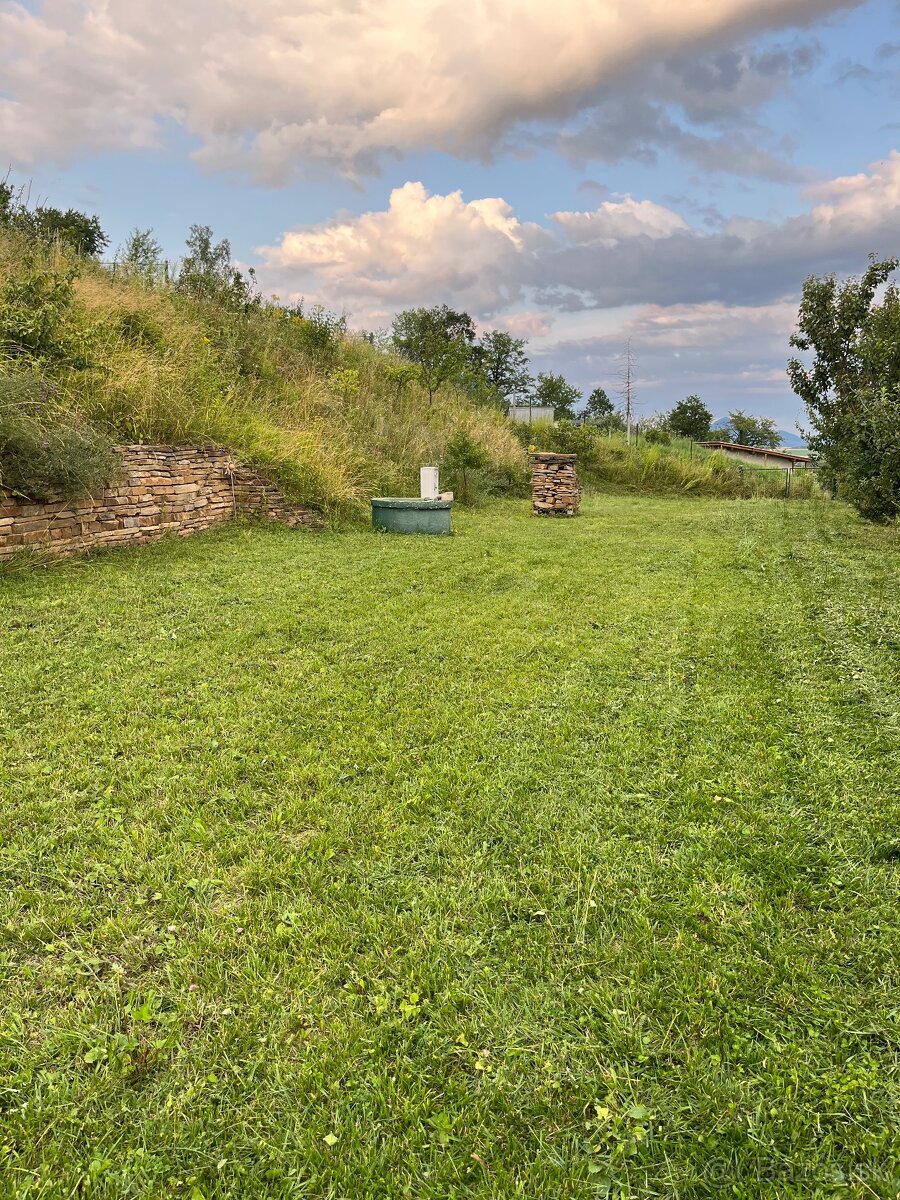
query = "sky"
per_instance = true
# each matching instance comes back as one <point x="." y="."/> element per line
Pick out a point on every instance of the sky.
<point x="579" y="173"/>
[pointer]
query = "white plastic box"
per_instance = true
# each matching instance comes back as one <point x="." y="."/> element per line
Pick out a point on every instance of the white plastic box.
<point x="429" y="485"/>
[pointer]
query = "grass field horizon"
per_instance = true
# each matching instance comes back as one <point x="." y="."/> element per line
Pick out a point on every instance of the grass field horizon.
<point x="556" y="858"/>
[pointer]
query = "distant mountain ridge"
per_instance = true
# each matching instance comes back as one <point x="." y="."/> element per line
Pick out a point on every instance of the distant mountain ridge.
<point x="792" y="441"/>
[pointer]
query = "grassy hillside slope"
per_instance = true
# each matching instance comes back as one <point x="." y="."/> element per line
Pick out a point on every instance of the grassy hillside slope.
<point x="333" y="419"/>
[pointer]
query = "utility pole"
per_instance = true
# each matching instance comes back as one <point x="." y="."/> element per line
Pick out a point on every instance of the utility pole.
<point x="629" y="394"/>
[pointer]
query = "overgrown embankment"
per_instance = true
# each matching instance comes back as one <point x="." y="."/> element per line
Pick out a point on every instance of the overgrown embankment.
<point x="88" y="357"/>
<point x="606" y="463"/>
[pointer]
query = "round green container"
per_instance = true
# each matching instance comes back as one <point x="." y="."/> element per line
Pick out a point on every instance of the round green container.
<point x="411" y="516"/>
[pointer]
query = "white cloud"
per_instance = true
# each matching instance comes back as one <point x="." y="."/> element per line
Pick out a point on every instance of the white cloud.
<point x="274" y="84"/>
<point x="421" y="249"/>
<point x="528" y="324"/>
<point x="616" y="220"/>
<point x="426" y="249"/>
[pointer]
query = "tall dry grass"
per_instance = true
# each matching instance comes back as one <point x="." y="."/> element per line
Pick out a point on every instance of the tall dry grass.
<point x="327" y="414"/>
<point x="608" y="463"/>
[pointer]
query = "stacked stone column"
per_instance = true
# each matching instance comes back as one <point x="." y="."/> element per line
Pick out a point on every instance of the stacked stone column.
<point x="555" y="490"/>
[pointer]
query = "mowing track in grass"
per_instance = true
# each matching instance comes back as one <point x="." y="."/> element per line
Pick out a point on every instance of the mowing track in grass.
<point x="556" y="859"/>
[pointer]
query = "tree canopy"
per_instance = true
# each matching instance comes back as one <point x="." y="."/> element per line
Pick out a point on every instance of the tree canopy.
<point x="437" y="340"/>
<point x="555" y="392"/>
<point x="690" y="418"/>
<point x="141" y="253"/>
<point x="81" y="232"/>
<point x="851" y="389"/>
<point x="501" y="360"/>
<point x="598" y="405"/>
<point x="208" y="273"/>
<point x="746" y="430"/>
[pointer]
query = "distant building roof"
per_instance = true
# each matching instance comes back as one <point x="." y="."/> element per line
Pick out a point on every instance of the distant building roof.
<point x="762" y="451"/>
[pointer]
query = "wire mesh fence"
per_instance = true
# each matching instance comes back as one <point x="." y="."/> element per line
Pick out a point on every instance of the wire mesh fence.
<point x="788" y="481"/>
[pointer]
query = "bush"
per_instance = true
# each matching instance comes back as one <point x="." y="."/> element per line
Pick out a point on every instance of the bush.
<point x="43" y="455"/>
<point x="565" y="437"/>
<point x="462" y="457"/>
<point x="34" y="307"/>
<point x="318" y="331"/>
<point x="660" y="437"/>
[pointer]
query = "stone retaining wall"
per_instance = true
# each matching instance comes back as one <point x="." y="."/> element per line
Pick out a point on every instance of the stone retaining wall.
<point x="160" y="489"/>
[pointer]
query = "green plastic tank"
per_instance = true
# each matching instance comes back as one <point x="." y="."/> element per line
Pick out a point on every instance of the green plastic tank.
<point x="398" y="515"/>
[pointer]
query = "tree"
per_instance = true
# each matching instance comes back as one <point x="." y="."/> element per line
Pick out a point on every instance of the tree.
<point x="8" y="202"/>
<point x="79" y="231"/>
<point x="554" y="392"/>
<point x="745" y="430"/>
<point x="75" y="229"/>
<point x="613" y="423"/>
<point x="400" y="375"/>
<point x="207" y="271"/>
<point x="141" y="253"/>
<point x="852" y="388"/>
<point x="501" y="360"/>
<point x="599" y="405"/>
<point x="437" y="340"/>
<point x="690" y="418"/>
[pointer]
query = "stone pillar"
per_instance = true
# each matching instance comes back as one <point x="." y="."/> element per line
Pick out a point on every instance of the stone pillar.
<point x="555" y="490"/>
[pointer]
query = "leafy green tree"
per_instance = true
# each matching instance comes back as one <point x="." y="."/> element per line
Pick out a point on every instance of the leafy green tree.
<point x="400" y="376"/>
<point x="437" y="340"/>
<point x="852" y="387"/>
<point x="690" y="418"/>
<point x="207" y="272"/>
<point x="82" y="233"/>
<point x="556" y="393"/>
<point x="501" y="360"/>
<point x="75" y="229"/>
<point x="599" y="407"/>
<point x="7" y="202"/>
<point x="142" y="253"/>
<point x="745" y="430"/>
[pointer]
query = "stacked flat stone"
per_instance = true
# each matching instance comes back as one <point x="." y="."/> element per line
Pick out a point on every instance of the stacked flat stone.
<point x="157" y="490"/>
<point x="555" y="490"/>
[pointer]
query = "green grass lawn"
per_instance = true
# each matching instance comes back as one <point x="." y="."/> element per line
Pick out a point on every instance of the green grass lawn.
<point x="556" y="859"/>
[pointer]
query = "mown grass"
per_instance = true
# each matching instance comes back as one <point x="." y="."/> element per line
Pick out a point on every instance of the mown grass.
<point x="556" y="859"/>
